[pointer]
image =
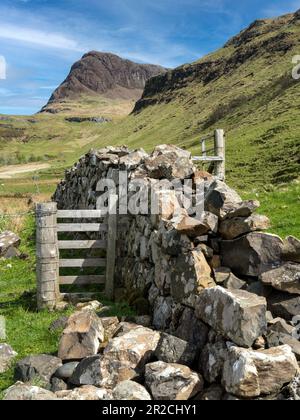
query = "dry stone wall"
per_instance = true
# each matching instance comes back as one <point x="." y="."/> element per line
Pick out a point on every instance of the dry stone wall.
<point x="216" y="282"/>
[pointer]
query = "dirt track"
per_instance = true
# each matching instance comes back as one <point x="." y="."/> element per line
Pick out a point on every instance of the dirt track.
<point x="8" y="172"/>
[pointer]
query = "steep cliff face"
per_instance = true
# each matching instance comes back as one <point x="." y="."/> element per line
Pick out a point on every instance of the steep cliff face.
<point x="107" y="75"/>
<point x="271" y="38"/>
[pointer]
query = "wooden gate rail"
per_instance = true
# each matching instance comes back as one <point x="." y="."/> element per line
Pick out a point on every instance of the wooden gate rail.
<point x="48" y="247"/>
<point x="219" y="151"/>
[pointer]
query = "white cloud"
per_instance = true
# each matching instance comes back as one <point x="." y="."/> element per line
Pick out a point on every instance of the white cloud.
<point x="38" y="37"/>
<point x="2" y="68"/>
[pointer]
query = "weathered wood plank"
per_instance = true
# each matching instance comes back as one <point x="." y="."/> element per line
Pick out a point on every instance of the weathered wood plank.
<point x="82" y="244"/>
<point x="81" y="227"/>
<point x="47" y="253"/>
<point x="81" y="280"/>
<point x="79" y="214"/>
<point x="88" y="262"/>
<point x="220" y="151"/>
<point x="208" y="158"/>
<point x="111" y="250"/>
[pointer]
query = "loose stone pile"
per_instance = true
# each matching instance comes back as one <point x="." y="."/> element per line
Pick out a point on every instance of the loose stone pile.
<point x="223" y="296"/>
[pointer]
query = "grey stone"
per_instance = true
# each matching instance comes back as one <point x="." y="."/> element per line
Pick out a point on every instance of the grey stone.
<point x="291" y="249"/>
<point x="85" y="393"/>
<point x="227" y="279"/>
<point x="171" y="349"/>
<point x="253" y="254"/>
<point x="58" y="385"/>
<point x="285" y="278"/>
<point x="238" y="226"/>
<point x="169" y="162"/>
<point x="130" y="391"/>
<point x="245" y="209"/>
<point x="66" y="371"/>
<point x="190" y="275"/>
<point x="220" y="199"/>
<point x="162" y="313"/>
<point x="237" y="315"/>
<point x="276" y="339"/>
<point x="39" y="368"/>
<point x="82" y="336"/>
<point x="133" y="160"/>
<point x="249" y="373"/>
<point x="212" y="360"/>
<point x="284" y="305"/>
<point x="192" y="329"/>
<point x="8" y="240"/>
<point x="168" y="381"/>
<point x="25" y="392"/>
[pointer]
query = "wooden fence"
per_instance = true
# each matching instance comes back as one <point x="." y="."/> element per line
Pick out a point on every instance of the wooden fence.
<point x="49" y="223"/>
<point x="219" y="154"/>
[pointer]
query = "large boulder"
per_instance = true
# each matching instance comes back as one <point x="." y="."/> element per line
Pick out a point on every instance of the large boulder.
<point x="192" y="227"/>
<point x="25" y="392"/>
<point x="38" y="368"/>
<point x="81" y="337"/>
<point x="253" y="254"/>
<point x="285" y="278"/>
<point x="190" y="275"/>
<point x="169" y="162"/>
<point x="169" y="381"/>
<point x="130" y="391"/>
<point x="8" y="241"/>
<point x="7" y="355"/>
<point x="291" y="249"/>
<point x="123" y="359"/>
<point x="249" y="373"/>
<point x="238" y="226"/>
<point x="236" y="314"/>
<point x="172" y="349"/>
<point x="221" y="200"/>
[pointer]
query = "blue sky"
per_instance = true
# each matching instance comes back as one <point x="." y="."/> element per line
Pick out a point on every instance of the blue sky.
<point x="41" y="39"/>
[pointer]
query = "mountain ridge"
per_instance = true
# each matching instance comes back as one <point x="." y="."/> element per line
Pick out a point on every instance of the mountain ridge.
<point x="105" y="74"/>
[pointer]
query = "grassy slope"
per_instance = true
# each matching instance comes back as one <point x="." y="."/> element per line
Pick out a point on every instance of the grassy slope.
<point x="257" y="103"/>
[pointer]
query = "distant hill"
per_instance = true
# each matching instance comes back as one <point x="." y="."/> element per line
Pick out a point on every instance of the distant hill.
<point x="246" y="87"/>
<point x="105" y="75"/>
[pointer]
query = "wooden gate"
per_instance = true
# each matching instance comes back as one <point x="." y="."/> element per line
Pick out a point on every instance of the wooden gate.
<point x="50" y="223"/>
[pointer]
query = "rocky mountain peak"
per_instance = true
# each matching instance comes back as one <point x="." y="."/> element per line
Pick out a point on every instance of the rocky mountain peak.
<point x="105" y="74"/>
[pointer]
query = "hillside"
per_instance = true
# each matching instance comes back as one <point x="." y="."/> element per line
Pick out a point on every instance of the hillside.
<point x="102" y="75"/>
<point x="246" y="88"/>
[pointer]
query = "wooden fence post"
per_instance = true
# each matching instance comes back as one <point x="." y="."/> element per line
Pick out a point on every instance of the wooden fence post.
<point x="111" y="248"/>
<point x="220" y="152"/>
<point x="47" y="253"/>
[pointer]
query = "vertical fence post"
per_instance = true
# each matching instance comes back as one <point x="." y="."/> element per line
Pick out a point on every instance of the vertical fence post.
<point x="111" y="248"/>
<point x="47" y="253"/>
<point x="220" y="152"/>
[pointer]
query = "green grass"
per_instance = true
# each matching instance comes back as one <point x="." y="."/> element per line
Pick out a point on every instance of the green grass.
<point x="282" y="205"/>
<point x="28" y="330"/>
